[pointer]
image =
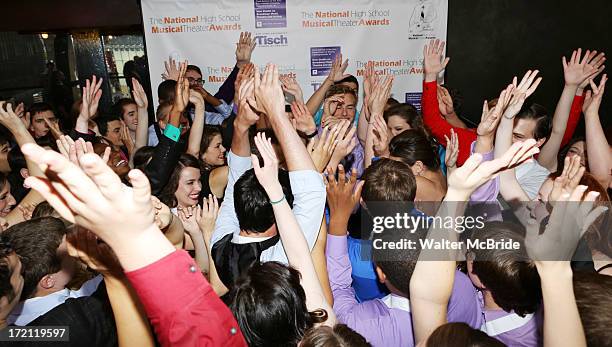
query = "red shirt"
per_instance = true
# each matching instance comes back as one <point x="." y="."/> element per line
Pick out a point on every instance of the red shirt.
<point x="182" y="306"/>
<point x="439" y="127"/>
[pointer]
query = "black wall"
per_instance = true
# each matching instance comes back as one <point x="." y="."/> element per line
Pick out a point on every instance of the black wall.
<point x="490" y="41"/>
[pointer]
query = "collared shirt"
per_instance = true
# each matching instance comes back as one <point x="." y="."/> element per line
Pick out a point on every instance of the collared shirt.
<point x="30" y="309"/>
<point x="510" y="328"/>
<point x="387" y="321"/>
<point x="182" y="306"/>
<point x="309" y="195"/>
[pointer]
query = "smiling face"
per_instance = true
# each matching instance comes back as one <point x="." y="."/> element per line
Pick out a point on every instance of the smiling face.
<point x="130" y="116"/>
<point x="38" y="125"/>
<point x="189" y="187"/>
<point x="7" y="201"/>
<point x="215" y="153"/>
<point x="397" y="125"/>
<point x="346" y="110"/>
<point x="116" y="161"/>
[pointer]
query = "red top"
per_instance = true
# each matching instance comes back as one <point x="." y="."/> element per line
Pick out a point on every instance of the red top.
<point x="182" y="306"/>
<point x="439" y="127"/>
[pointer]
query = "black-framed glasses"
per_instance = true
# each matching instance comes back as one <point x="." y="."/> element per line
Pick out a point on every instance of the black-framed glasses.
<point x="195" y="81"/>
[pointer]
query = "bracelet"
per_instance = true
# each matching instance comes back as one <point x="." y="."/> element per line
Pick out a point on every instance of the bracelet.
<point x="278" y="201"/>
<point x="310" y="136"/>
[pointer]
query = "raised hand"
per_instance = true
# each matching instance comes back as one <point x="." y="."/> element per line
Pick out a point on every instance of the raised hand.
<point x="206" y="216"/>
<point x="522" y="91"/>
<point x="594" y="61"/>
<point x="577" y="70"/>
<point x="445" y="101"/>
<point x="345" y="143"/>
<point x="322" y="148"/>
<point x="452" y="151"/>
<point x="474" y="172"/>
<point x="370" y="79"/>
<point x="9" y="118"/>
<point x="140" y="97"/>
<point x="54" y="128"/>
<point x="570" y="218"/>
<point x="381" y="90"/>
<point x="336" y="73"/>
<point x="93" y="196"/>
<point x="592" y="100"/>
<point x="196" y="98"/>
<point x="490" y="118"/>
<point x="162" y="214"/>
<point x="245" y="73"/>
<point x="329" y="107"/>
<point x="290" y="86"/>
<point x="268" y="92"/>
<point x="569" y="179"/>
<point x="82" y="147"/>
<point x="342" y="194"/>
<point x="187" y="216"/>
<point x="181" y="96"/>
<point x="433" y="61"/>
<point x="67" y="148"/>
<point x="244" y="48"/>
<point x="126" y="138"/>
<point x="267" y="175"/>
<point x="304" y="122"/>
<point x="380" y="135"/>
<point x="247" y="114"/>
<point x="172" y="70"/>
<point x="91" y="97"/>
<point x="84" y="246"/>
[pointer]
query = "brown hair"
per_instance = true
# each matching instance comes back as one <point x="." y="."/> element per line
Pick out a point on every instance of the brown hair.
<point x="388" y="180"/>
<point x="340" y="89"/>
<point x="210" y="131"/>
<point x="460" y="334"/>
<point x="338" y="336"/>
<point x="508" y="274"/>
<point x="594" y="300"/>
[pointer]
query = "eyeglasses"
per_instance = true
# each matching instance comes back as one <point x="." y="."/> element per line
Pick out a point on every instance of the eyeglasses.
<point x="195" y="81"/>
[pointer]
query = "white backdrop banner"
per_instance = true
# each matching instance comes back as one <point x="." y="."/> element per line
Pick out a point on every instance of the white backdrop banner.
<point x="301" y="36"/>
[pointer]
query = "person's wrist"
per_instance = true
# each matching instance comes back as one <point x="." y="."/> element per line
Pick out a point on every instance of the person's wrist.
<point x="553" y="271"/>
<point x="241" y="125"/>
<point x="457" y="194"/>
<point x="431" y="77"/>
<point x="275" y="192"/>
<point x="338" y="223"/>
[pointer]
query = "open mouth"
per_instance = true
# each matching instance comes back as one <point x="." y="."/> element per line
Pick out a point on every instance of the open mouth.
<point x="194" y="196"/>
<point x="121" y="163"/>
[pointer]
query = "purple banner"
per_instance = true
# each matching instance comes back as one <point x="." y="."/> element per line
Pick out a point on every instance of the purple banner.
<point x="270" y="14"/>
<point x="321" y="59"/>
<point x="414" y="99"/>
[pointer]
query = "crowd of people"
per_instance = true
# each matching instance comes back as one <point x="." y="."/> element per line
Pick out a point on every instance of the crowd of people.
<point x="231" y="222"/>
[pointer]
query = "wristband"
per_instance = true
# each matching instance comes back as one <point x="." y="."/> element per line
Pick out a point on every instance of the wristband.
<point x="310" y="136"/>
<point x="172" y="132"/>
<point x="278" y="201"/>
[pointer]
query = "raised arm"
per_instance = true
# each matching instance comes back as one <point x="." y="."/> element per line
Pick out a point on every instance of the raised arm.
<point x="509" y="186"/>
<point x="575" y="72"/>
<point x="598" y="149"/>
<point x="9" y="119"/>
<point x="551" y="251"/>
<point x="434" y="63"/>
<point x="197" y="128"/>
<point x="335" y="74"/>
<point x="432" y="281"/>
<point x="179" y="302"/>
<point x="142" y="129"/>
<point x="270" y="99"/>
<point x="89" y="105"/>
<point x="294" y="242"/>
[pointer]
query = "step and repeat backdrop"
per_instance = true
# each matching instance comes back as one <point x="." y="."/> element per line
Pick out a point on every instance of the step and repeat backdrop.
<point x="301" y="36"/>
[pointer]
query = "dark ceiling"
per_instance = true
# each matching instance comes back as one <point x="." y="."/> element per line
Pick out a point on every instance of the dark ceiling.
<point x="59" y="15"/>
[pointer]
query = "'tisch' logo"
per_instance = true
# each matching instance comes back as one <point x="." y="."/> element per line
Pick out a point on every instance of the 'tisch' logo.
<point x="272" y="40"/>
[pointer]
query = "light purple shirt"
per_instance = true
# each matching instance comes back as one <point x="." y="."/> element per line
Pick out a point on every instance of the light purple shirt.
<point x="510" y="328"/>
<point x="487" y="193"/>
<point x="387" y="321"/>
